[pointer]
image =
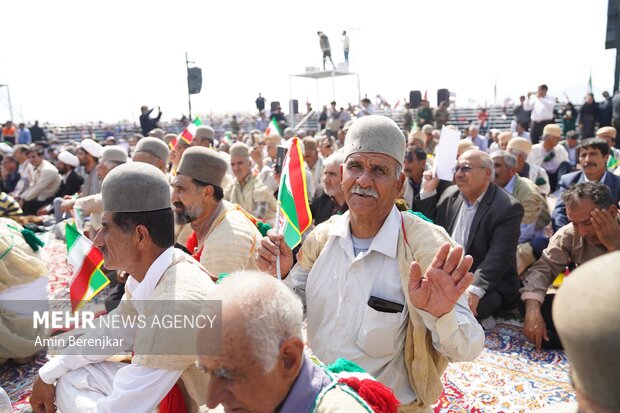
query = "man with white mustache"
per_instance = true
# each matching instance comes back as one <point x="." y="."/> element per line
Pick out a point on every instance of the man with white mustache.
<point x="378" y="283"/>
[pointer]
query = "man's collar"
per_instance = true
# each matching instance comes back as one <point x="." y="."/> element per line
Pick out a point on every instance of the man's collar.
<point x="602" y="180"/>
<point x="143" y="290"/>
<point x="385" y="241"/>
<point x="478" y="200"/>
<point x="510" y="186"/>
<point x="307" y="386"/>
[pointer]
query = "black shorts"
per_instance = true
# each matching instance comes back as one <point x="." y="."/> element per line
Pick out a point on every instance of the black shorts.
<point x="327" y="53"/>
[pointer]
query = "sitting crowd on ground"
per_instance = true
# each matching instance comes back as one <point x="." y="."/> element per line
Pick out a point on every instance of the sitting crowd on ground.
<point x="399" y="274"/>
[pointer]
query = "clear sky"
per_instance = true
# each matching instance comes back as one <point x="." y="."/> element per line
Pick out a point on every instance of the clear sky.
<point x="77" y="61"/>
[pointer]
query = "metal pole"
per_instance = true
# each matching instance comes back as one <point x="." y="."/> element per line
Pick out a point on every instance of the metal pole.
<point x="617" y="69"/>
<point x="359" y="93"/>
<point x="333" y="85"/>
<point x="290" y="99"/>
<point x="8" y="94"/>
<point x="189" y="95"/>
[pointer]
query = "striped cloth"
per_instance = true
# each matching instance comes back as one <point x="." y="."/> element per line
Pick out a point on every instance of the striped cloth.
<point x="8" y="206"/>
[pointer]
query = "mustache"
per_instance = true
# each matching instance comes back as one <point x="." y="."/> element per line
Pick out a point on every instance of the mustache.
<point x="590" y="164"/>
<point x="178" y="205"/>
<point x="358" y="190"/>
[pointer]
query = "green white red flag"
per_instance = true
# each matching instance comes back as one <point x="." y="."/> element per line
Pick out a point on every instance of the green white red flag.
<point x="295" y="215"/>
<point x="86" y="260"/>
<point x="188" y="133"/>
<point x="273" y="129"/>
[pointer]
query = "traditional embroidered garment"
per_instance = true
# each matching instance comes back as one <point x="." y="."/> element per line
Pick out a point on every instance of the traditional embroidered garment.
<point x="254" y="197"/>
<point x="230" y="242"/>
<point x="88" y="379"/>
<point x="23" y="288"/>
<point x="422" y="343"/>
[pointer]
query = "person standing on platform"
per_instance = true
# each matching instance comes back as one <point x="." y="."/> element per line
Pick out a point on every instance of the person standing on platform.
<point x="260" y="103"/>
<point x="325" y="48"/>
<point x="541" y="107"/>
<point x="345" y="46"/>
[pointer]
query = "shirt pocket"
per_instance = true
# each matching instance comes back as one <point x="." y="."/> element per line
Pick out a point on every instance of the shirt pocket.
<point x="378" y="334"/>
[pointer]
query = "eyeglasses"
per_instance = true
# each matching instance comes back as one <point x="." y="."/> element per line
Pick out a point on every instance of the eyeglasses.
<point x="464" y="168"/>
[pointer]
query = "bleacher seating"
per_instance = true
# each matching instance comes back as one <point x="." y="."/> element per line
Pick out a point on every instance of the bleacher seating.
<point x="499" y="118"/>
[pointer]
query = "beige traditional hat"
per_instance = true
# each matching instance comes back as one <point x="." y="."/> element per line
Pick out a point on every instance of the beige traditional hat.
<point x="69" y="159"/>
<point x="239" y="149"/>
<point x="204" y="132"/>
<point x="157" y="133"/>
<point x="135" y="187"/>
<point x="154" y="146"/>
<point x="203" y="164"/>
<point x="552" y="130"/>
<point x="92" y="147"/>
<point x="427" y="129"/>
<point x="464" y="145"/>
<point x="309" y="143"/>
<point x="607" y="131"/>
<point x="114" y="153"/>
<point x="586" y="316"/>
<point x="520" y="144"/>
<point x="277" y="139"/>
<point x="375" y="134"/>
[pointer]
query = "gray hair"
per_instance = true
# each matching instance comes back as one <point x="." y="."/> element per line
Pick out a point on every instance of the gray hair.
<point x="509" y="159"/>
<point x="597" y="192"/>
<point x="269" y="312"/>
<point x="336" y="158"/>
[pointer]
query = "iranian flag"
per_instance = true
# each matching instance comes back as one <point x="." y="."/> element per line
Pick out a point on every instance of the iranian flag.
<point x="295" y="215"/>
<point x="86" y="260"/>
<point x="273" y="129"/>
<point x="188" y="134"/>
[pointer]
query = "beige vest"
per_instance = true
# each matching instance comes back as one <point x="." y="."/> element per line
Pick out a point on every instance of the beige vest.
<point x="248" y="195"/>
<point x="419" y="241"/>
<point x="184" y="279"/>
<point x="19" y="264"/>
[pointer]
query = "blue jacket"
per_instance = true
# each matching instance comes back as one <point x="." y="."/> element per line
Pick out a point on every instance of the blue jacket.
<point x="558" y="216"/>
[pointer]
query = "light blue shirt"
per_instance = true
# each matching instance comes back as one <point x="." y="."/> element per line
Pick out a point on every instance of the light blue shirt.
<point x="24" y="136"/>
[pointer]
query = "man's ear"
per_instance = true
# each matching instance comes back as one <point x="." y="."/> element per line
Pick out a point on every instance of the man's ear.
<point x="613" y="210"/>
<point x="208" y="191"/>
<point x="400" y="183"/>
<point x="291" y="354"/>
<point x="141" y="235"/>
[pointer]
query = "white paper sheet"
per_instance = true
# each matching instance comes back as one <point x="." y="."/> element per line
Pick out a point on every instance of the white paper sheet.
<point x="445" y="153"/>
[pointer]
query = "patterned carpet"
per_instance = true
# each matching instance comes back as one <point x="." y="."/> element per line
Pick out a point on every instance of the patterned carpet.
<point x="509" y="376"/>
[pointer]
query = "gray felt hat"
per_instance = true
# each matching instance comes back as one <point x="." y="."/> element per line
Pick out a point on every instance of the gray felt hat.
<point x="375" y="134"/>
<point x="239" y="149"/>
<point x="203" y="164"/>
<point x="114" y="153"/>
<point x="154" y="146"/>
<point x="135" y="187"/>
<point x="587" y="318"/>
<point x="204" y="132"/>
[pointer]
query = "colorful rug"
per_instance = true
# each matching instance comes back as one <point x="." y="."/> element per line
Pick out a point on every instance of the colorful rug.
<point x="509" y="375"/>
<point x="17" y="380"/>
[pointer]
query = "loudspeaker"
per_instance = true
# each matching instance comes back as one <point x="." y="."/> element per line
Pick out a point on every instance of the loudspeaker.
<point x="294" y="104"/>
<point x="415" y="97"/>
<point x="194" y="80"/>
<point x="275" y="104"/>
<point x="443" y="94"/>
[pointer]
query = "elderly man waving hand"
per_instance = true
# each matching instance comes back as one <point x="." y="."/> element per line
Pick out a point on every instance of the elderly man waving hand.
<point x="382" y="288"/>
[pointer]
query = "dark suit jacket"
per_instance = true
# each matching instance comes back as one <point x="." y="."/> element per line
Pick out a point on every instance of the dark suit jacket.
<point x="322" y="208"/>
<point x="71" y="185"/>
<point x="558" y="216"/>
<point x="493" y="235"/>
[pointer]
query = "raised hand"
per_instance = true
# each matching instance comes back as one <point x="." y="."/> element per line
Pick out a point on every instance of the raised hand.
<point x="607" y="228"/>
<point x="267" y="252"/>
<point x="443" y="283"/>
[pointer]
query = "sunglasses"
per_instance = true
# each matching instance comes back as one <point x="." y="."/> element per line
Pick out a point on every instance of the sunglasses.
<point x="464" y="168"/>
